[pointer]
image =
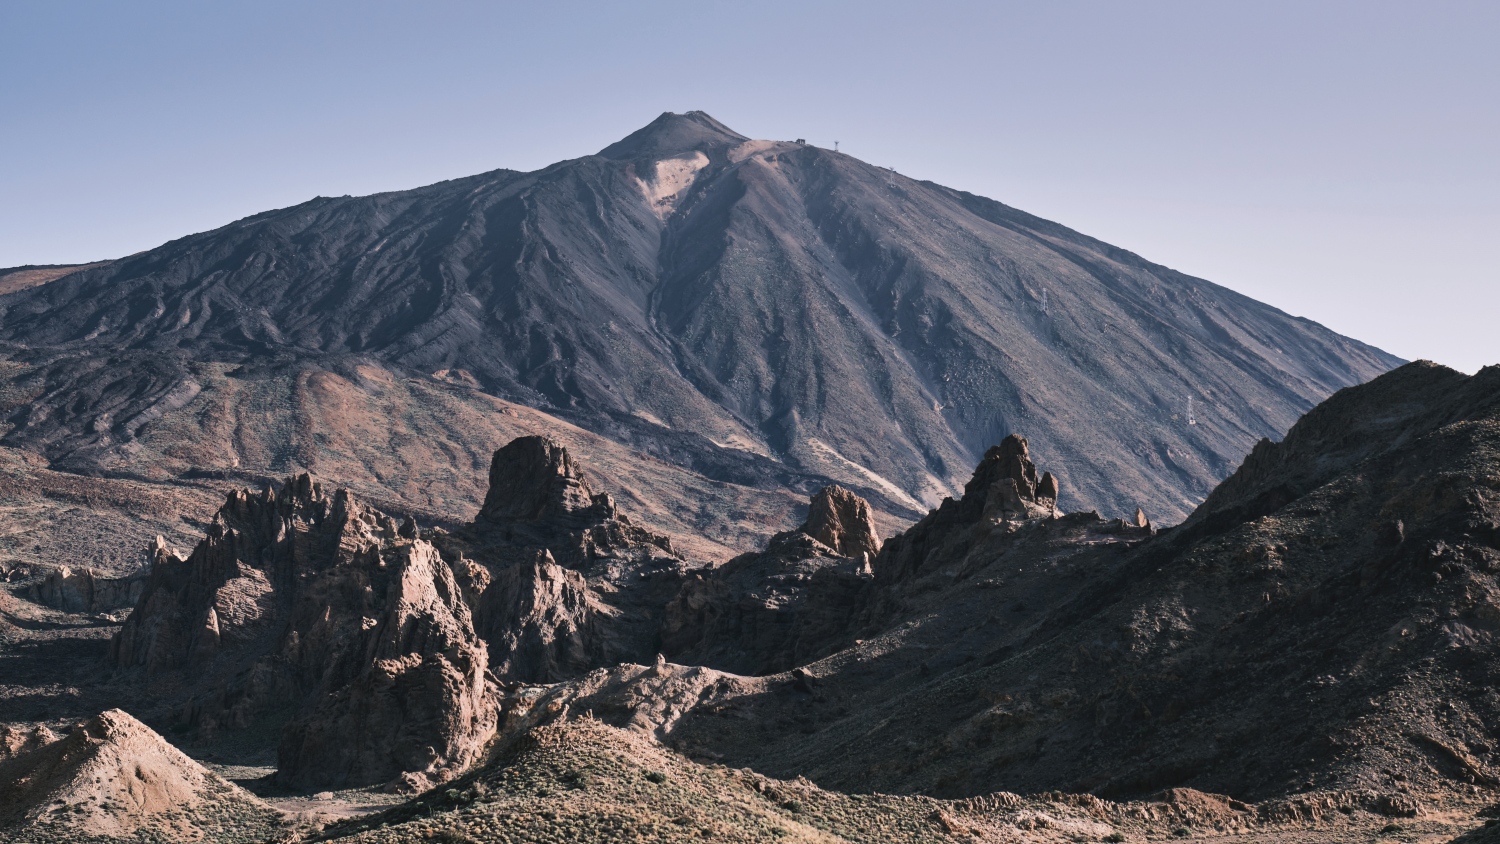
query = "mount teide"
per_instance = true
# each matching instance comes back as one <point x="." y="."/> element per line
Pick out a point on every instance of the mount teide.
<point x="765" y="313"/>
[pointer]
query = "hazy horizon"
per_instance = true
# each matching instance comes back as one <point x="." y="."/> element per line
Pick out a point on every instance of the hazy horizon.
<point x="1336" y="162"/>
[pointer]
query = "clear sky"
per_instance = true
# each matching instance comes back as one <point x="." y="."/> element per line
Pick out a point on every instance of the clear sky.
<point x="1340" y="160"/>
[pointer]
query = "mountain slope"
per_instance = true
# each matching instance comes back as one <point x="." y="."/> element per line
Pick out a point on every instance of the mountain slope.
<point x="767" y="300"/>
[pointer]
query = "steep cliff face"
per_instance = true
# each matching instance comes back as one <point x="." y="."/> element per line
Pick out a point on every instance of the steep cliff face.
<point x="755" y="310"/>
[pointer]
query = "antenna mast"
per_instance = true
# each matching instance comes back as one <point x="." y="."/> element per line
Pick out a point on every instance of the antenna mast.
<point x="1191" y="419"/>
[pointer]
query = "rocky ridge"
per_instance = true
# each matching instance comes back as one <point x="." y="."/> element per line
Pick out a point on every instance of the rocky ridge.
<point x="1333" y="639"/>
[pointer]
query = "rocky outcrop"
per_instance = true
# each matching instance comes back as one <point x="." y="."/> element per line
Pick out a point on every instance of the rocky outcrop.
<point x="842" y="520"/>
<point x="560" y="581"/>
<point x="84" y="590"/>
<point x="16" y="741"/>
<point x="113" y="777"/>
<point x="540" y="498"/>
<point x="1006" y="485"/>
<point x="271" y="596"/>
<point x="318" y="602"/>
<point x="546" y="621"/>
<point x="1003" y="494"/>
<point x="532" y="479"/>
<point x="802" y="598"/>
<point x="410" y="701"/>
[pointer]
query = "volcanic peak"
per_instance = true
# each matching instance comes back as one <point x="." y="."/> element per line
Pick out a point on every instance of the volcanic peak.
<point x="672" y="134"/>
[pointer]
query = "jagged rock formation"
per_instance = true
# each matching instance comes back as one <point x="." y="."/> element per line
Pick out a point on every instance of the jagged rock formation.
<point x="85" y="590"/>
<point x="314" y="601"/>
<point x="320" y="605"/>
<point x="801" y="599"/>
<point x="410" y="701"/>
<point x="112" y="777"/>
<point x="560" y="581"/>
<point x="280" y="578"/>
<point x="689" y="292"/>
<point x="1002" y="495"/>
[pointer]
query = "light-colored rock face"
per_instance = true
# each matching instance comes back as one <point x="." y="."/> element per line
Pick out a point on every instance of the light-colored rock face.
<point x="410" y="700"/>
<point x="842" y="520"/>
<point x="664" y="182"/>
<point x="114" y="776"/>
<point x="87" y="591"/>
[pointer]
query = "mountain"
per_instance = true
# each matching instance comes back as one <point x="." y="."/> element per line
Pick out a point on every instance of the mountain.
<point x="766" y="315"/>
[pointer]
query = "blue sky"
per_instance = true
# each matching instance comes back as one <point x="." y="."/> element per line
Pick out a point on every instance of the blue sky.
<point x="1338" y="160"/>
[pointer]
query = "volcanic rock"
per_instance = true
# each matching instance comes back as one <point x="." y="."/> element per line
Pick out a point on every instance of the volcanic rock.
<point x="532" y="479"/>
<point x="84" y="590"/>
<point x="281" y="574"/>
<point x="559" y="581"/>
<point x="801" y="599"/>
<point x="114" y="777"/>
<point x="411" y="698"/>
<point x="842" y="520"/>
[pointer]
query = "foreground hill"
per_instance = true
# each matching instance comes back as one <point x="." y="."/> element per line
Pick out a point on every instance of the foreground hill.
<point x="112" y="778"/>
<point x="767" y="314"/>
